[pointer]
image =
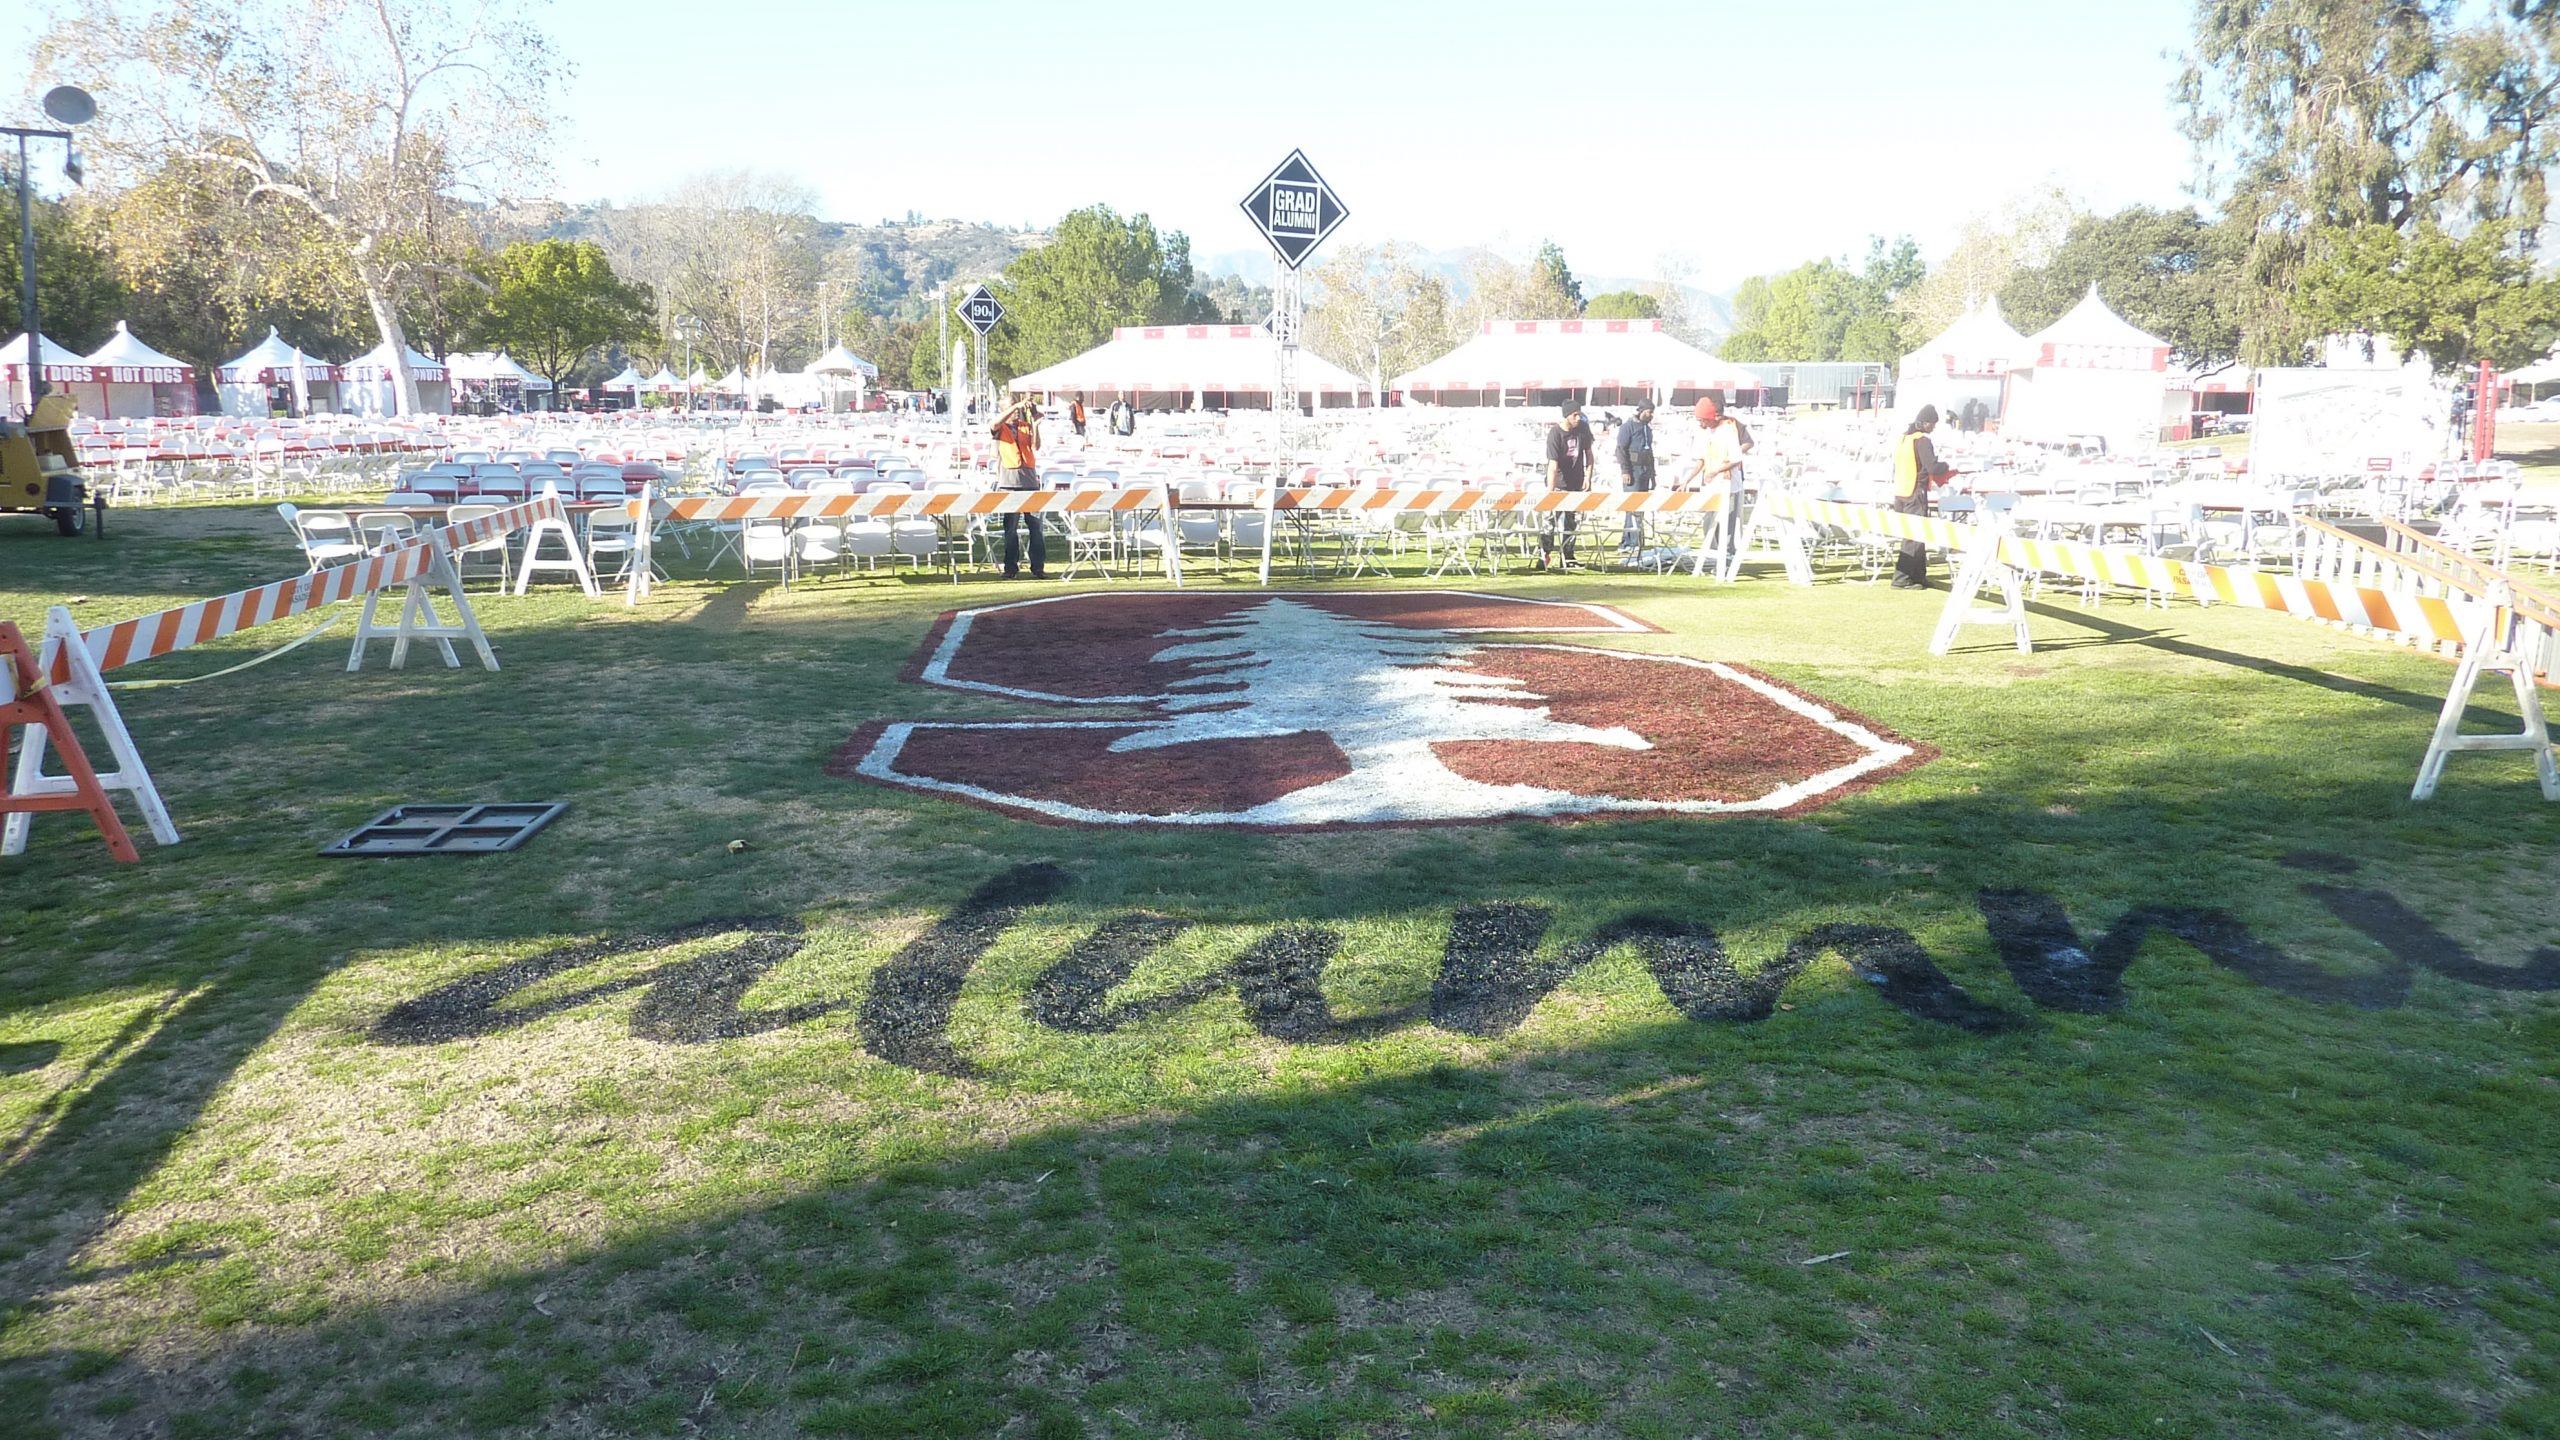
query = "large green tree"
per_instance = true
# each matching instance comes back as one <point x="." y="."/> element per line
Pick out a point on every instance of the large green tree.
<point x="2165" y="270"/>
<point x="2318" y="116"/>
<point x="1825" y="310"/>
<point x="2458" y="298"/>
<point x="361" y="122"/>
<point x="1098" y="272"/>
<point x="78" y="294"/>
<point x="552" y="303"/>
<point x="1623" y="305"/>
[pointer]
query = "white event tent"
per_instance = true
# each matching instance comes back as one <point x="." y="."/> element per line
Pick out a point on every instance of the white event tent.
<point x="372" y="389"/>
<point x="1192" y="367"/>
<point x="141" y="381"/>
<point x="1963" y="365"/>
<point x="247" y="384"/>
<point x="2092" y="373"/>
<point x="497" y="377"/>
<point x="838" y="365"/>
<point x="63" y="372"/>
<point x="1599" y="362"/>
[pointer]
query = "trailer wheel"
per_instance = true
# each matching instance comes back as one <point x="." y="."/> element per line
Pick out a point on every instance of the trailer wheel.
<point x="70" y="520"/>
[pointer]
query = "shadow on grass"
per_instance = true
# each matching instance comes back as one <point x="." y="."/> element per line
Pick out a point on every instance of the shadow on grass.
<point x="2111" y="632"/>
<point x="1677" y="1216"/>
<point x="1244" y="1174"/>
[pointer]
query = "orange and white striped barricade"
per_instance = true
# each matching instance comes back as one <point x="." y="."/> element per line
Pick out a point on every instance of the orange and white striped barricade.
<point x="32" y="702"/>
<point x="1444" y="500"/>
<point x="76" y="662"/>
<point x="554" y="524"/>
<point x="428" y="564"/>
<point x="1158" y="499"/>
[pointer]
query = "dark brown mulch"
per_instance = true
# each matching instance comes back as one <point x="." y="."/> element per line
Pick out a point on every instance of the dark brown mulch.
<point x="1094" y="646"/>
<point x="1712" y="739"/>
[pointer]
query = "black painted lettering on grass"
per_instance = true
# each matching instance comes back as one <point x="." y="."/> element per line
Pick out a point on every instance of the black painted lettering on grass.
<point x="2044" y="953"/>
<point x="2036" y="941"/>
<point x="1074" y="993"/>
<point x="689" y="1002"/>
<point x="2412" y="941"/>
<point x="1490" y="975"/>
<point x="1279" y="980"/>
<point x="1491" y="978"/>
<point x="1902" y="972"/>
<point x="905" y="1018"/>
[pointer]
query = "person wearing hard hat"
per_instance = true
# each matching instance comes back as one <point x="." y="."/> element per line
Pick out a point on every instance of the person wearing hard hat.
<point x="1916" y="467"/>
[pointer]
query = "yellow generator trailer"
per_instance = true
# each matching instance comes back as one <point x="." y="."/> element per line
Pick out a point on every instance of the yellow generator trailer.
<point x="40" y="471"/>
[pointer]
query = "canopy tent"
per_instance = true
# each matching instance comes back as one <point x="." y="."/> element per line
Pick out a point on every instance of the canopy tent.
<point x="1602" y="362"/>
<point x="1184" y="367"/>
<point x="733" y="383"/>
<point x="62" y="371"/>
<point x="840" y="361"/>
<point x="2092" y="374"/>
<point x="629" y="379"/>
<point x="838" y="365"/>
<point x="248" y="385"/>
<point x="372" y="389"/>
<point x="141" y="381"/>
<point x="665" y="382"/>
<point x="1962" y="367"/>
<point x="494" y="378"/>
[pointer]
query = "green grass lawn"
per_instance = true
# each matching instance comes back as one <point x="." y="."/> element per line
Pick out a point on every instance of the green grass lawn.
<point x="2298" y="1183"/>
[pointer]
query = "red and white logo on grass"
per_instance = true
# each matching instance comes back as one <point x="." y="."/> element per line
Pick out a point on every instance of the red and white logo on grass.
<point x="1379" y="708"/>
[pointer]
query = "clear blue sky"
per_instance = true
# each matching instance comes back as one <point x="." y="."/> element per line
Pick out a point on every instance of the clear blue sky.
<point x="1740" y="138"/>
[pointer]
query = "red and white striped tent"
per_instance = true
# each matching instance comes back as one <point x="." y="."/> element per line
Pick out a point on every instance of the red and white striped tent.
<point x="140" y="380"/>
<point x="371" y="389"/>
<point x="63" y="372"/>
<point x="245" y="382"/>
<point x="1599" y="362"/>
<point x="1181" y="367"/>
<point x="1967" y="361"/>
<point x="2092" y="373"/>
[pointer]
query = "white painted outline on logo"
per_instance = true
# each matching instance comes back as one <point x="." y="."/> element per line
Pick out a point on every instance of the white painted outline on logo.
<point x="880" y="763"/>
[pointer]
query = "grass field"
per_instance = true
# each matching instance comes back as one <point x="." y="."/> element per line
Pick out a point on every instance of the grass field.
<point x="275" y="1166"/>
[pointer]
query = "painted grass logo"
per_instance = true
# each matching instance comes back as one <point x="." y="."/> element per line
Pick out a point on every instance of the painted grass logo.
<point x="1312" y="712"/>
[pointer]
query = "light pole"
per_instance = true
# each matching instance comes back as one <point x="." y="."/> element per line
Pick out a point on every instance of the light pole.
<point x="72" y="106"/>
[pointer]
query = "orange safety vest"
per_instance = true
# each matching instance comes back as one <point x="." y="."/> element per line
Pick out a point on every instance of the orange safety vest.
<point x="1016" y="441"/>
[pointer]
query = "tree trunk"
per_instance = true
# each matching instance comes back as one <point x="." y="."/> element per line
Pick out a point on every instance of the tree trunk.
<point x="395" y="344"/>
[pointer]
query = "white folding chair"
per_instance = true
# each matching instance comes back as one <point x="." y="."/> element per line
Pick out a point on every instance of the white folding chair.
<point x="326" y="536"/>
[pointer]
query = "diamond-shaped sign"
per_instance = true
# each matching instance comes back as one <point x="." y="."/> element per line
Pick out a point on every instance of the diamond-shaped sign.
<point x="1294" y="209"/>
<point x="980" y="310"/>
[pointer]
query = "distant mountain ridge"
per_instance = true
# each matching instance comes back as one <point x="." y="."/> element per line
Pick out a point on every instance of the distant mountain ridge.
<point x="1711" y="311"/>
<point x="895" y="264"/>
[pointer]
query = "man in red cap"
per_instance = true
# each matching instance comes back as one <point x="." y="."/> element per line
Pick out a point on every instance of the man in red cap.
<point x="1720" y="450"/>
